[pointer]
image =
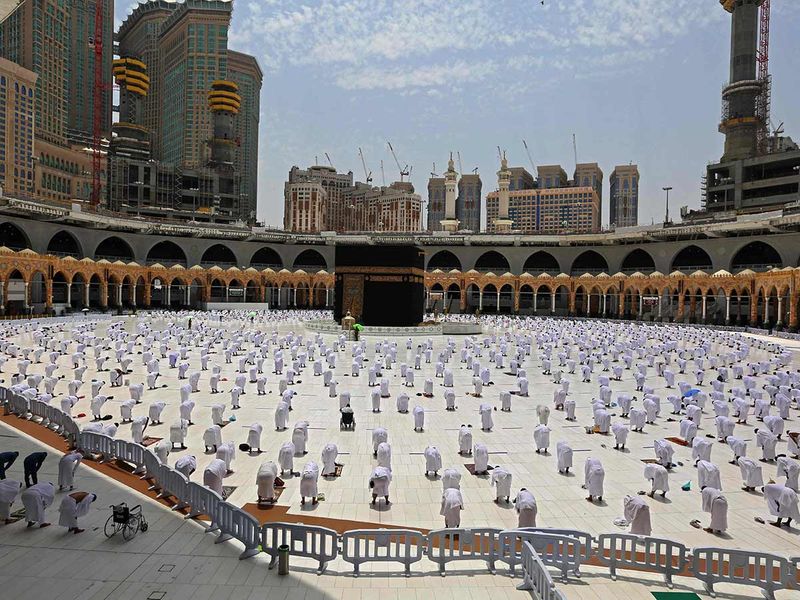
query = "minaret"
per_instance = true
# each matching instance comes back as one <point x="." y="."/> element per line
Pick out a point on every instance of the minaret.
<point x="502" y="224"/>
<point x="450" y="223"/>
<point x="224" y="102"/>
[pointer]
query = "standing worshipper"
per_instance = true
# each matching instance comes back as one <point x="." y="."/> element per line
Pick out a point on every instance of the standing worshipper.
<point x="73" y="506"/>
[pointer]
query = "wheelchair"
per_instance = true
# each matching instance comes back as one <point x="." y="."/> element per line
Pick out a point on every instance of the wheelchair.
<point x="347" y="421"/>
<point x="129" y="521"/>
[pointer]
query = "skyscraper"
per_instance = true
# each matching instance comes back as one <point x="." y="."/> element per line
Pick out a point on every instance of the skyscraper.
<point x="435" y="203"/>
<point x="243" y="70"/>
<point x="624" y="196"/>
<point x="16" y="128"/>
<point x="468" y="202"/>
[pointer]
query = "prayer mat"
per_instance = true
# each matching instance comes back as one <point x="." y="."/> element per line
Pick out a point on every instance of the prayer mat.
<point x="679" y="441"/>
<point x="675" y="596"/>
<point x="267" y="505"/>
<point x="149" y="441"/>
<point x="471" y="468"/>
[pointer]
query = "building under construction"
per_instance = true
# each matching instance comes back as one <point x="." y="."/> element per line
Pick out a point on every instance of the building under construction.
<point x="759" y="169"/>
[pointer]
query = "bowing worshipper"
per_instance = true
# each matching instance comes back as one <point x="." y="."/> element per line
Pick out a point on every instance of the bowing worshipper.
<point x="569" y="409"/>
<point x="154" y="412"/>
<point x="637" y="513"/>
<point x="300" y="437"/>
<point x="9" y="489"/>
<point x="136" y="390"/>
<point x="308" y="482"/>
<point x="789" y="469"/>
<point x="97" y="406"/>
<point x="716" y="504"/>
<point x="658" y="476"/>
<point x="708" y="475"/>
<point x="162" y="450"/>
<point x="620" y="431"/>
<point x="477" y="387"/>
<point x="522" y="387"/>
<point x="767" y="441"/>
<point x="213" y="475"/>
<point x="281" y="416"/>
<point x="384" y="455"/>
<point x="344" y="400"/>
<point x="624" y="402"/>
<point x="450" y="400"/>
<point x="126" y="410"/>
<point x="329" y="454"/>
<point x="433" y="460"/>
<point x="505" y="401"/>
<point x="738" y="446"/>
<point x="186" y="465"/>
<point x="701" y="449"/>
<point x="286" y="458"/>
<point x="525" y="505"/>
<point x="543" y="413"/>
<point x="213" y="382"/>
<point x="402" y="403"/>
<point x="254" y="437"/>
<point x="375" y="395"/>
<point x="451" y="478"/>
<point x="638" y="417"/>
<point x="67" y="403"/>
<point x="650" y="409"/>
<point x="31" y="465"/>
<point x="677" y="404"/>
<point x="602" y="419"/>
<point x="36" y="499"/>
<point x="775" y="424"/>
<point x="481" y="454"/>
<point x="793" y="444"/>
<point x="782" y="503"/>
<point x="664" y="452"/>
<point x="227" y="453"/>
<point x="688" y="430"/>
<point x="379" y="483"/>
<point x="485" y="410"/>
<point x="593" y="478"/>
<point x="73" y="506"/>
<point x="501" y="480"/>
<point x="212" y="438"/>
<point x="185" y="410"/>
<point x="452" y="505"/>
<point x="6" y="460"/>
<point x="265" y="480"/>
<point x="741" y="407"/>
<point x="465" y="440"/>
<point x="153" y="377"/>
<point x="564" y="455"/>
<point x="751" y="474"/>
<point x="379" y="436"/>
<point x="67" y="466"/>
<point x="725" y="426"/>
<point x="541" y="437"/>
<point x="419" y="418"/>
<point x="177" y="433"/>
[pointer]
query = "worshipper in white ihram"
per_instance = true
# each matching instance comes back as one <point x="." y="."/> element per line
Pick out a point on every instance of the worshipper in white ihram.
<point x="329" y="454"/>
<point x="379" y="483"/>
<point x="308" y="482"/>
<point x="525" y="505"/>
<point x="265" y="480"/>
<point x="433" y="460"/>
<point x="717" y="505"/>
<point x="73" y="506"/>
<point x="66" y="469"/>
<point x="213" y="475"/>
<point x="751" y="474"/>
<point x="451" y="478"/>
<point x="637" y="513"/>
<point x="501" y="479"/>
<point x="36" y="499"/>
<point x="659" y="478"/>
<point x="593" y="477"/>
<point x="452" y="505"/>
<point x="9" y="489"/>
<point x="564" y="455"/>
<point x="782" y="503"/>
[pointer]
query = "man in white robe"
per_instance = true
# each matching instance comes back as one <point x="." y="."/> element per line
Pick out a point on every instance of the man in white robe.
<point x="541" y="437"/>
<point x="177" y="433"/>
<point x="525" y="505"/>
<point x="433" y="460"/>
<point x="385" y="455"/>
<point x="481" y="454"/>
<point x="782" y="503"/>
<point x="620" y="431"/>
<point x="154" y="412"/>
<point x="379" y="435"/>
<point x="286" y="458"/>
<point x="717" y="505"/>
<point x="637" y="513"/>
<point x="265" y="480"/>
<point x="564" y="455"/>
<point x="452" y="505"/>
<point x="419" y="418"/>
<point x="329" y="454"/>
<point x="66" y="469"/>
<point x="36" y="499"/>
<point x="300" y="437"/>
<point x="708" y="475"/>
<point x="254" y="437"/>
<point x="638" y="417"/>
<point x="767" y="441"/>
<point x="659" y="478"/>
<point x="751" y="474"/>
<point x="186" y="465"/>
<point x="214" y="474"/>
<point x="688" y="430"/>
<point x="281" y="416"/>
<point x="402" y="402"/>
<point x="308" y="482"/>
<point x="664" y="451"/>
<point x="9" y="490"/>
<point x="73" y="506"/>
<point x="465" y="440"/>
<point x="379" y="483"/>
<point x="593" y="477"/>
<point x="701" y="449"/>
<point x="485" y="411"/>
<point x="789" y="469"/>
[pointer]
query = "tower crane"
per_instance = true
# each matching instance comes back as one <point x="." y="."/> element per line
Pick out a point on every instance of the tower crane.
<point x="383" y="174"/>
<point x="575" y="150"/>
<point x="404" y="171"/>
<point x="367" y="174"/>
<point x="530" y="159"/>
<point x="328" y="158"/>
<point x="460" y="168"/>
<point x="433" y="172"/>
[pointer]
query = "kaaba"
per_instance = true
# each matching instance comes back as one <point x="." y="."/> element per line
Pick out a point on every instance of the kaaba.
<point x="380" y="285"/>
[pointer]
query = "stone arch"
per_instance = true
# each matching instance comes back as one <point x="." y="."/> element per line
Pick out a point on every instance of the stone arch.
<point x="756" y="256"/>
<point x="64" y="243"/>
<point x="13" y="237"/>
<point x="526" y="298"/>
<point x="309" y="260"/>
<point x="217" y="290"/>
<point x="166" y="253"/>
<point x="452" y="298"/>
<point x="219" y="255"/>
<point x="638" y="260"/>
<point x="543" y="299"/>
<point x="541" y="262"/>
<point x="492" y="261"/>
<point x="266" y="258"/>
<point x="589" y="261"/>
<point x="114" y="248"/>
<point x="444" y="260"/>
<point x="691" y="258"/>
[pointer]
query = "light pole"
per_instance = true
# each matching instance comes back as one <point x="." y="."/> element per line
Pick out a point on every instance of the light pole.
<point x="666" y="216"/>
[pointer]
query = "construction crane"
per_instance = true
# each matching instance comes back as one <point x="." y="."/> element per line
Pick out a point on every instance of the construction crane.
<point x="499" y="154"/>
<point x="367" y="174"/>
<point x="530" y="159"/>
<point x="99" y="94"/>
<point x="460" y="167"/>
<point x="575" y="150"/>
<point x="762" y="57"/>
<point x="328" y="158"/>
<point x="404" y="171"/>
<point x="383" y="174"/>
<point x="433" y="172"/>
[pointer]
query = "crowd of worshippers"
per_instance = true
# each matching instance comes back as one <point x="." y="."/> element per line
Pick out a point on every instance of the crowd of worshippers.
<point x="741" y="388"/>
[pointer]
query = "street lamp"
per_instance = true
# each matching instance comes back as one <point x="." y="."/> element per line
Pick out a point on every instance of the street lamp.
<point x="666" y="216"/>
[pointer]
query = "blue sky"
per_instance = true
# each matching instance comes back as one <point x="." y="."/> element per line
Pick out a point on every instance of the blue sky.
<point x="636" y="81"/>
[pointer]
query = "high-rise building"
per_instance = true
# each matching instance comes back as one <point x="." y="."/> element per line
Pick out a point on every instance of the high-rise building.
<point x="436" y="191"/>
<point x="551" y="176"/>
<point x="624" y="196"/>
<point x="468" y="202"/>
<point x="589" y="175"/>
<point x="17" y="85"/>
<point x="548" y="211"/>
<point x="520" y="179"/>
<point x="243" y="70"/>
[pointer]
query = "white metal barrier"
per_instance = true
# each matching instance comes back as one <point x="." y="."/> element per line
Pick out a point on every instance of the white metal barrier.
<point x="106" y="446"/>
<point x="450" y="545"/>
<point x="770" y="572"/>
<point x="586" y="540"/>
<point x="237" y="524"/>
<point x="130" y="452"/>
<point x="559" y="551"/>
<point x="89" y="442"/>
<point x="173" y="483"/>
<point x="151" y="467"/>
<point x="203" y="501"/>
<point x="18" y="404"/>
<point x="305" y="541"/>
<point x="361" y="546"/>
<point x="535" y="575"/>
<point x="38" y="409"/>
<point x="632" y="551"/>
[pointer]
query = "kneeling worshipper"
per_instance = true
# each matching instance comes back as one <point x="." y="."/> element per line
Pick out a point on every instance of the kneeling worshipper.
<point x="73" y="506"/>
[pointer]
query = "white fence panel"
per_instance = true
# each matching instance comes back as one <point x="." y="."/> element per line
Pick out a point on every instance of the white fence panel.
<point x="361" y="546"/>
<point x="559" y="551"/>
<point x="305" y="541"/>
<point x="535" y="575"/>
<point x="173" y="483"/>
<point x="237" y="524"/>
<point x="203" y="501"/>
<point x="769" y="572"/>
<point x="131" y="453"/>
<point x="583" y="537"/>
<point x="450" y="545"/>
<point x="631" y="551"/>
<point x="151" y="467"/>
<point x="89" y="442"/>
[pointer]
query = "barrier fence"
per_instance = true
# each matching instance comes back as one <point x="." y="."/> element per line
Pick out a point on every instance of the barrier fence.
<point x="532" y="549"/>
